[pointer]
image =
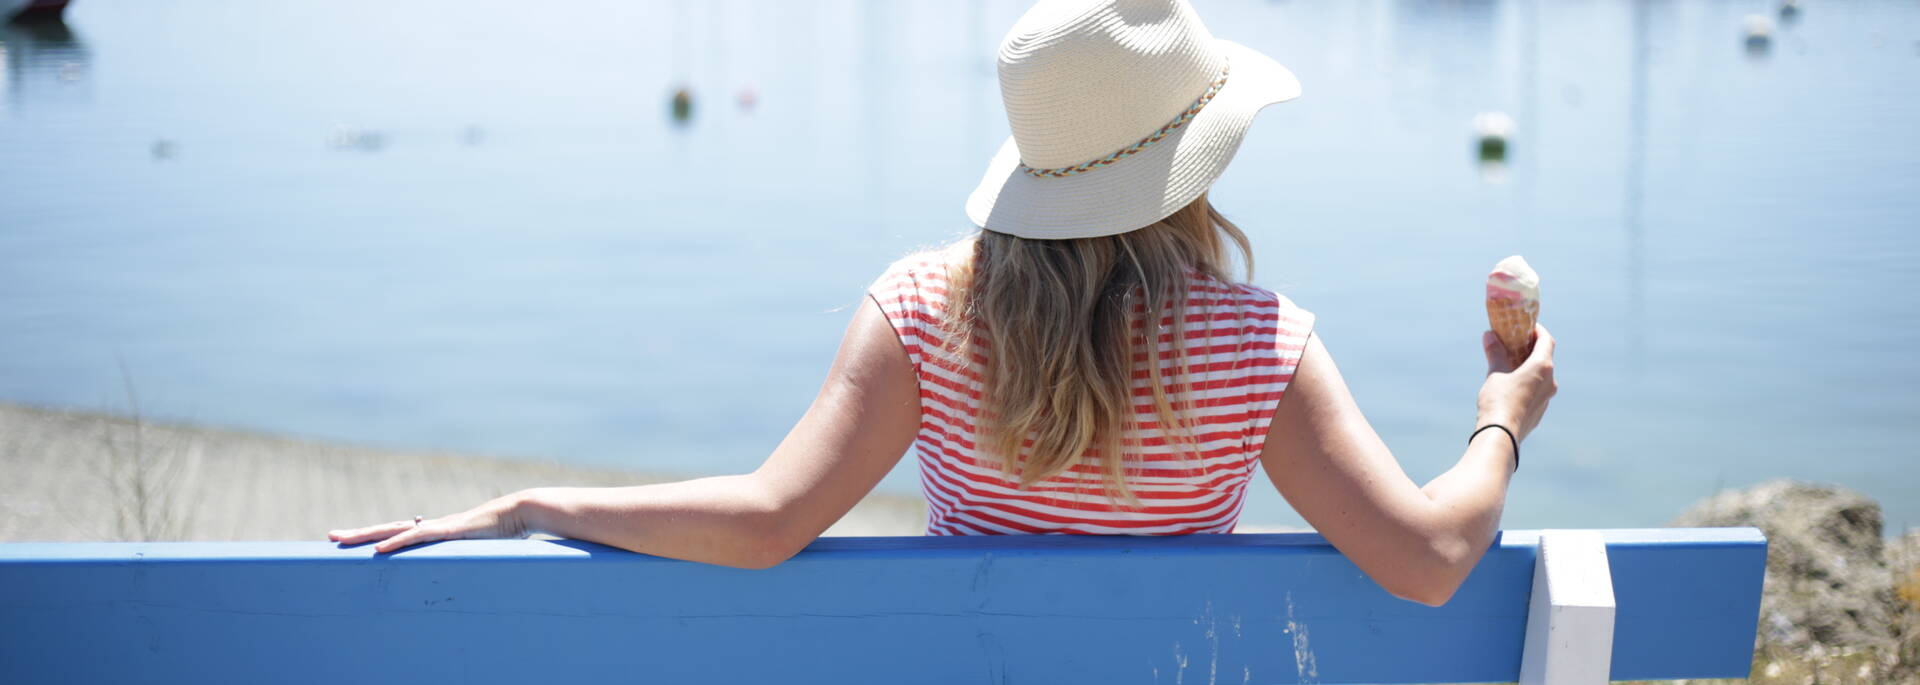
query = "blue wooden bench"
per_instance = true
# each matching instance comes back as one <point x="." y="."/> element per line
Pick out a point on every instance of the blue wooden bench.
<point x="1682" y="603"/>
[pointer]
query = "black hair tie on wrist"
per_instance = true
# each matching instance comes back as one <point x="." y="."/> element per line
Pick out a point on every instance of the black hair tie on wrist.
<point x="1503" y="429"/>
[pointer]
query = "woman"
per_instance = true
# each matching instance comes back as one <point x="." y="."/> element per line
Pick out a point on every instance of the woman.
<point x="1032" y="339"/>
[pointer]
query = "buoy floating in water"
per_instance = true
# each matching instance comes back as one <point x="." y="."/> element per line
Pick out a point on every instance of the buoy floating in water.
<point x="681" y="105"/>
<point x="346" y="137"/>
<point x="1759" y="32"/>
<point x="1789" y="9"/>
<point x="1493" y="129"/>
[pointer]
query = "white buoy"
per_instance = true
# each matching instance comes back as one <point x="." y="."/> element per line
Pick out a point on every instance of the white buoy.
<point x="1494" y="124"/>
<point x="1759" y="35"/>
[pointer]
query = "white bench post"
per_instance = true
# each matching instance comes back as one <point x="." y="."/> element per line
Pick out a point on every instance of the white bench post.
<point x="1570" y="617"/>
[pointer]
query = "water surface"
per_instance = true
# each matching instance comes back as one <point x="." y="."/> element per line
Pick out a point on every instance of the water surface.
<point x="476" y="225"/>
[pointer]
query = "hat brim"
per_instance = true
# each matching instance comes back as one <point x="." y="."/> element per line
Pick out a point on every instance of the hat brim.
<point x="1145" y="187"/>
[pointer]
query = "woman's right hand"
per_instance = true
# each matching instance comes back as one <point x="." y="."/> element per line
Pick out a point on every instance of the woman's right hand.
<point x="1517" y="397"/>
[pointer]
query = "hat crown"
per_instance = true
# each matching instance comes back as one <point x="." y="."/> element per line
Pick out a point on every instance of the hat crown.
<point x="1082" y="79"/>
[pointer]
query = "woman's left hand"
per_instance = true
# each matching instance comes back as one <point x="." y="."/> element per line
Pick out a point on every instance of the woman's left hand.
<point x="498" y="518"/>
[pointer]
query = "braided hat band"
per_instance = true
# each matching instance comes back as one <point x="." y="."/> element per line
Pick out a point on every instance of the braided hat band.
<point x="1158" y="135"/>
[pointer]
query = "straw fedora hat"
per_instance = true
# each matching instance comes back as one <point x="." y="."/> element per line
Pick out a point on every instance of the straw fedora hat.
<point x="1123" y="111"/>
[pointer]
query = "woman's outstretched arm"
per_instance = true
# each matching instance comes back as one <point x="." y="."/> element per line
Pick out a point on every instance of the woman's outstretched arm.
<point x="1417" y="543"/>
<point x="859" y="425"/>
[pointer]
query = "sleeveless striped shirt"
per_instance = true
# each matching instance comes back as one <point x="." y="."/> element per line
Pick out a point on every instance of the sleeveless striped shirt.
<point x="1242" y="344"/>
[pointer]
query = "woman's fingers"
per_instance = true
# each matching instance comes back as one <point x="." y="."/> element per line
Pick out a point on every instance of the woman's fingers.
<point x="489" y="520"/>
<point x="1543" y="342"/>
<point x="408" y="538"/>
<point x="1496" y="353"/>
<point x="1542" y="346"/>
<point x="358" y="536"/>
<point x="433" y="530"/>
<point x="1543" y="351"/>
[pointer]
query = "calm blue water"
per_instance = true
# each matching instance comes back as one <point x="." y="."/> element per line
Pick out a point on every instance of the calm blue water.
<point x="474" y="225"/>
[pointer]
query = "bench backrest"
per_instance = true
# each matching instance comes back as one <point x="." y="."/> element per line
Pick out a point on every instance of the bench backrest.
<point x="1045" y="609"/>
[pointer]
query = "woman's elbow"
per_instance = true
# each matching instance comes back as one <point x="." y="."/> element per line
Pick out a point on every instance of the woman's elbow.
<point x="1428" y="592"/>
<point x="766" y="556"/>
<point x="768" y="545"/>
<point x="1438" y="573"/>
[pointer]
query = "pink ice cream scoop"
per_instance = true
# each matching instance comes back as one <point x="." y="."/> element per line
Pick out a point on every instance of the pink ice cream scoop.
<point x="1513" y="306"/>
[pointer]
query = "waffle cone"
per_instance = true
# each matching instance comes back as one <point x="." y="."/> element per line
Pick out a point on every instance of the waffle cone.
<point x="1513" y="321"/>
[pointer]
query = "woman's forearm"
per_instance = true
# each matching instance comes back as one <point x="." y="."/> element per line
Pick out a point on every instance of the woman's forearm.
<point x="727" y="520"/>
<point x="1470" y="497"/>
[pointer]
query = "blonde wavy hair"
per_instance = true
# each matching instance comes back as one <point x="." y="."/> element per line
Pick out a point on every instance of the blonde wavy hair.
<point x="1056" y="323"/>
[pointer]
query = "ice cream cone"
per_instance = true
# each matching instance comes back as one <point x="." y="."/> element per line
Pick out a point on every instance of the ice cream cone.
<point x="1512" y="320"/>
<point x="1513" y="305"/>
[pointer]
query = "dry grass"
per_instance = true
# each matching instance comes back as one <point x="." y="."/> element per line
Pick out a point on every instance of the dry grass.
<point x="83" y="477"/>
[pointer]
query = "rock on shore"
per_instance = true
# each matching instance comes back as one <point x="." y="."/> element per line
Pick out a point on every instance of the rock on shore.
<point x="1840" y="604"/>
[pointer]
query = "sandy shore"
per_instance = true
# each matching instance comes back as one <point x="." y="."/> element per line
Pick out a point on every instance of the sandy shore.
<point x="73" y="476"/>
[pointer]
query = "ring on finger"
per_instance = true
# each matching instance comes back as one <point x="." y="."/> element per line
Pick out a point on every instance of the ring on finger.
<point x="416" y="521"/>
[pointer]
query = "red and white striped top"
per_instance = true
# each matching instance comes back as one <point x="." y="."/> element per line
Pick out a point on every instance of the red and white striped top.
<point x="1242" y="344"/>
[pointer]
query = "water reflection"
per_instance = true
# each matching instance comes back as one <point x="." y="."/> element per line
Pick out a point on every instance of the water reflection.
<point x="1529" y="68"/>
<point x="1438" y="43"/>
<point x="45" y="61"/>
<point x="1635" y="200"/>
<point x="679" y="53"/>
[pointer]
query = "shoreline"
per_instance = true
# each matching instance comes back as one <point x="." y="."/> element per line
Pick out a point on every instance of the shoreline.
<point x="87" y="476"/>
<point x="1841" y="604"/>
<point x="81" y="476"/>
